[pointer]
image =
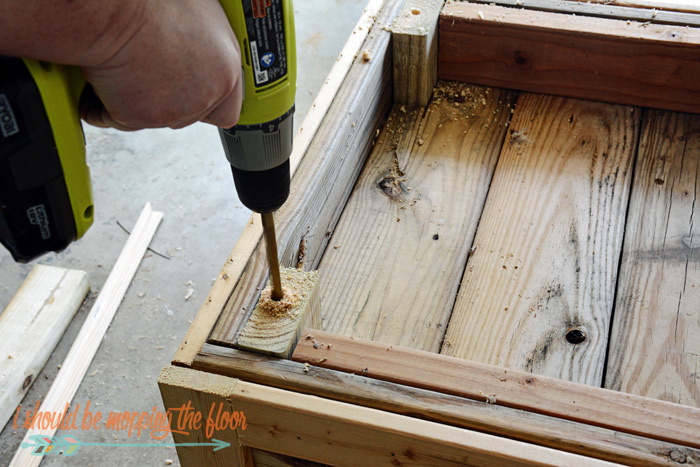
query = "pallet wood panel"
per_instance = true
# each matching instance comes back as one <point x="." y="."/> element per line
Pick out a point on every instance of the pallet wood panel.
<point x="655" y="339"/>
<point x="557" y="433"/>
<point x="537" y="293"/>
<point x="342" y="434"/>
<point x="397" y="253"/>
<point x="324" y="179"/>
<point x="600" y="59"/>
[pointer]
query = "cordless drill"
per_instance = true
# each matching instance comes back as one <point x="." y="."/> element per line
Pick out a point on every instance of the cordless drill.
<point x="45" y="192"/>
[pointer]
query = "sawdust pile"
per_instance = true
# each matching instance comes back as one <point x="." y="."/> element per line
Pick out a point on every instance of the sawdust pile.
<point x="297" y="285"/>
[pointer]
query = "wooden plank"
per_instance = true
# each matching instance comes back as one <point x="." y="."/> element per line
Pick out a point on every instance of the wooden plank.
<point x="275" y="326"/>
<point x="476" y="415"/>
<point x="606" y="10"/>
<point x="205" y="320"/>
<point x="676" y="5"/>
<point x="325" y="177"/>
<point x="655" y="339"/>
<point x="178" y="391"/>
<point x="592" y="58"/>
<point x="414" y="38"/>
<point x="400" y="248"/>
<point x="627" y="413"/>
<point x="343" y="434"/>
<point x="91" y="333"/>
<point x="39" y="312"/>
<point x="537" y="293"/>
<point x="271" y="459"/>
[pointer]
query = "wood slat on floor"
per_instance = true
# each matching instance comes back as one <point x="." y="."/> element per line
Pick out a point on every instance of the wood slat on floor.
<point x="546" y="252"/>
<point x="655" y="339"/>
<point x="393" y="265"/>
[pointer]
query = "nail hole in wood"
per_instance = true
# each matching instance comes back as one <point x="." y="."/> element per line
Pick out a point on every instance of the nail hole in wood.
<point x="575" y="336"/>
<point x="27" y="381"/>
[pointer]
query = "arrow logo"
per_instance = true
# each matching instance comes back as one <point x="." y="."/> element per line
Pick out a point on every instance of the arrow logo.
<point x="68" y="445"/>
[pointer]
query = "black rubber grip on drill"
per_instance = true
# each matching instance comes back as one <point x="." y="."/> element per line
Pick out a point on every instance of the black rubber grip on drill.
<point x="265" y="190"/>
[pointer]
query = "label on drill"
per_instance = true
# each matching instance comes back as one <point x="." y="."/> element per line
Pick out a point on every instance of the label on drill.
<point x="37" y="216"/>
<point x="8" y="123"/>
<point x="266" y="36"/>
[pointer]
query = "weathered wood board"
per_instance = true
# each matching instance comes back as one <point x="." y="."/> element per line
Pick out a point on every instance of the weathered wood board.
<point x="392" y="270"/>
<point x="537" y="293"/>
<point x="624" y="62"/>
<point x="655" y="339"/>
<point x="31" y="327"/>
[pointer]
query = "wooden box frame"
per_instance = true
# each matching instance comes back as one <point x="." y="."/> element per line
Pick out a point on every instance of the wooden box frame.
<point x="365" y="403"/>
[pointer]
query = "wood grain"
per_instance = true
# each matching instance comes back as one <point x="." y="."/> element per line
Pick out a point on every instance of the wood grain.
<point x="271" y="459"/>
<point x="608" y="9"/>
<point x="275" y="327"/>
<point x="655" y="339"/>
<point x="677" y="5"/>
<point x="550" y="396"/>
<point x="537" y="293"/>
<point x="342" y="434"/>
<point x="600" y="59"/>
<point x="453" y="410"/>
<point x="414" y="38"/>
<point x="31" y="327"/>
<point x="399" y="250"/>
<point x="324" y="179"/>
<point x="178" y="390"/>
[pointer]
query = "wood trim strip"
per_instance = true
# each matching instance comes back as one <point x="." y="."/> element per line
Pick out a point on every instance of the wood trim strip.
<point x="625" y="62"/>
<point x="603" y="10"/>
<point x="618" y="411"/>
<point x="494" y="419"/>
<point x="338" y="433"/>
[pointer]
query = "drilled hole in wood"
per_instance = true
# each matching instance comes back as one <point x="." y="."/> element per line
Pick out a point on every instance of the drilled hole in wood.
<point x="575" y="336"/>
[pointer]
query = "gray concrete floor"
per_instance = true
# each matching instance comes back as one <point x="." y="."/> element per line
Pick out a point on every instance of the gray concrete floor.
<point x="185" y="175"/>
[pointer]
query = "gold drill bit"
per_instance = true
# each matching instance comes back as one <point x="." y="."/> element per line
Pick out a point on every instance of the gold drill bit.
<point x="268" y="224"/>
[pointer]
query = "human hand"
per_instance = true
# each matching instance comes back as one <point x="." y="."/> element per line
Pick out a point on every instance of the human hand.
<point x="179" y="63"/>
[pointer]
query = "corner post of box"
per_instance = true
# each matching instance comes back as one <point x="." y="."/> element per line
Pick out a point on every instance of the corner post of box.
<point x="415" y="42"/>
<point x="185" y="391"/>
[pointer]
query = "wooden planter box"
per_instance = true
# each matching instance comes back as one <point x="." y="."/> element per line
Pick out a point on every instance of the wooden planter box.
<point x="509" y="274"/>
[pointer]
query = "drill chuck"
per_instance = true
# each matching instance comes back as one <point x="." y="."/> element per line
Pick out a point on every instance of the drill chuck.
<point x="259" y="158"/>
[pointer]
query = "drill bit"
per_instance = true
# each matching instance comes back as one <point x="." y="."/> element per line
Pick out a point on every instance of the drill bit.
<point x="268" y="224"/>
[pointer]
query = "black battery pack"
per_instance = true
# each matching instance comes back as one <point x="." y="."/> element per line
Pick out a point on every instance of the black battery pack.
<point x="35" y="210"/>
